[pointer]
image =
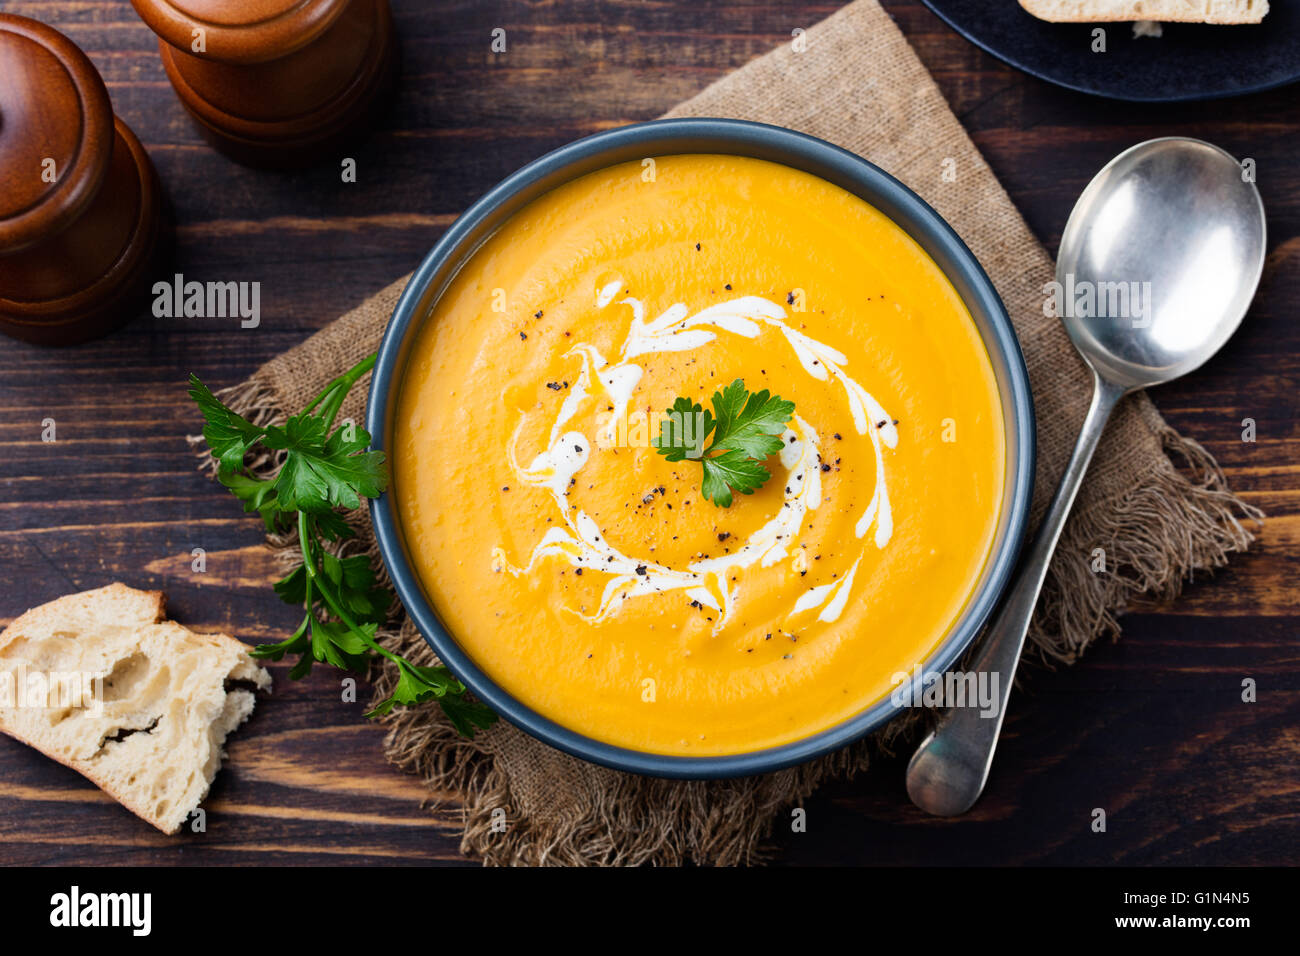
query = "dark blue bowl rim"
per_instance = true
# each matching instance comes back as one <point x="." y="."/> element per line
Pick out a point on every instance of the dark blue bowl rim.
<point x="871" y="183"/>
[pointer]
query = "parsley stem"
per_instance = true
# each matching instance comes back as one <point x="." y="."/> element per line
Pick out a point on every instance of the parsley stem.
<point x="337" y="390"/>
<point x="313" y="577"/>
<point x="307" y="589"/>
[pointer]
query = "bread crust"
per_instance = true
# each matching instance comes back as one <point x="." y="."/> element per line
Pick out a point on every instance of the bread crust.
<point x="143" y="607"/>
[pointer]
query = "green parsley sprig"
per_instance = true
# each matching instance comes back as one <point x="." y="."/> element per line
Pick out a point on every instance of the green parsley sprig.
<point x="326" y="468"/>
<point x="745" y="427"/>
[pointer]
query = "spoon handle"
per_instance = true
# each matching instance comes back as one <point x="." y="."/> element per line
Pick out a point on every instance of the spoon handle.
<point x="948" y="770"/>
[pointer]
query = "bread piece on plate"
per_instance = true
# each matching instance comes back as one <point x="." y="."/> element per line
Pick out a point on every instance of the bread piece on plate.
<point x="150" y="733"/>
<point x="1170" y="11"/>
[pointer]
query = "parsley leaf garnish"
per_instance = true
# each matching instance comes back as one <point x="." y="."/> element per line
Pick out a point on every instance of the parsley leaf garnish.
<point x="229" y="436"/>
<point x="323" y="471"/>
<point x="326" y="468"/>
<point x="745" y="427"/>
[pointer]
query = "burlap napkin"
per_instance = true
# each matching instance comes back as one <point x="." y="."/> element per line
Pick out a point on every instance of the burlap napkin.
<point x="856" y="83"/>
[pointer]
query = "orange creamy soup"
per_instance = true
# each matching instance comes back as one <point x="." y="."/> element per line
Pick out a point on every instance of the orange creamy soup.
<point x="583" y="571"/>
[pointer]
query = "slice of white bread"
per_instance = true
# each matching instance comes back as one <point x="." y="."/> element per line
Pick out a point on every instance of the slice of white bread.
<point x="1170" y="11"/>
<point x="151" y="733"/>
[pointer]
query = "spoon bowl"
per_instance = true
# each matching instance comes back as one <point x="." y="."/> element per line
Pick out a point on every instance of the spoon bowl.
<point x="1160" y="259"/>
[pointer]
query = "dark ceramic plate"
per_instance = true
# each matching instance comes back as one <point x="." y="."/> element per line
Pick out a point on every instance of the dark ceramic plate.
<point x="1189" y="62"/>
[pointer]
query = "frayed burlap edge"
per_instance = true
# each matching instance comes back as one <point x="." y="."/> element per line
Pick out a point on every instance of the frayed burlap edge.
<point x="1152" y="540"/>
<point x="1181" y="520"/>
<point x="657" y="822"/>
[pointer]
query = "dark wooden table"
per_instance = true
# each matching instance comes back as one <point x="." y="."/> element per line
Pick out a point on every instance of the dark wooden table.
<point x="1151" y="729"/>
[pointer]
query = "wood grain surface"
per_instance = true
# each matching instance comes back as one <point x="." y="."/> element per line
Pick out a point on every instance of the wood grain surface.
<point x="1151" y="729"/>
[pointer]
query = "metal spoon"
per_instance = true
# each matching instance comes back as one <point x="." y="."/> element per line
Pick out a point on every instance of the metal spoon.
<point x="1179" y="218"/>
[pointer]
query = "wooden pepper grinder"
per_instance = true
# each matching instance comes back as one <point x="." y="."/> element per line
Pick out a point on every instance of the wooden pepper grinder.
<point x="271" y="82"/>
<point x="79" y="199"/>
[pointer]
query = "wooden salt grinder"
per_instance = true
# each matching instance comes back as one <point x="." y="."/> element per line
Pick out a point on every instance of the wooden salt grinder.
<point x="79" y="200"/>
<point x="272" y="82"/>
